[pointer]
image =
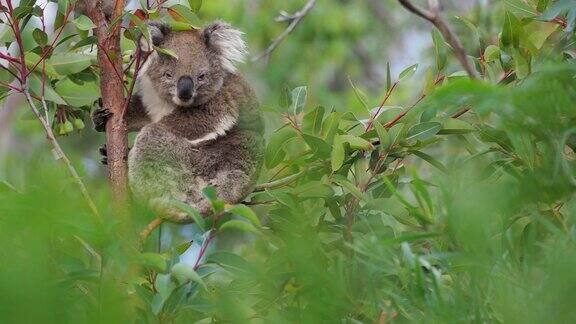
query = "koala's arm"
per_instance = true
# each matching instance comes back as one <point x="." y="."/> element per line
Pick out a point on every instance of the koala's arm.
<point x="136" y="116"/>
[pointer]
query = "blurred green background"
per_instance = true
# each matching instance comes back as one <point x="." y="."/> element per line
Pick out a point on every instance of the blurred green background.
<point x="470" y="220"/>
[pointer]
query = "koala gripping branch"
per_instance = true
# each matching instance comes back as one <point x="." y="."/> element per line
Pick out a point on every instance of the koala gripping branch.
<point x="112" y="89"/>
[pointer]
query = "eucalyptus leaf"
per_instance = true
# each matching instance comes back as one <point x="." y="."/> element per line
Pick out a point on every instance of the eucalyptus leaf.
<point x="299" y="96"/>
<point x="423" y="131"/>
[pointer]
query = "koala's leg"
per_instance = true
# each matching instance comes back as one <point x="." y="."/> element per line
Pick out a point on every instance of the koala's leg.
<point x="156" y="171"/>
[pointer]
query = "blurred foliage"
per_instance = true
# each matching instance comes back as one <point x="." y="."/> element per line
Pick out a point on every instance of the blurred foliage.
<point x="450" y="201"/>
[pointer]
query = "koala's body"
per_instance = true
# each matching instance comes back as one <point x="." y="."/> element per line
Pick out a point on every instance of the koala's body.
<point x="198" y="121"/>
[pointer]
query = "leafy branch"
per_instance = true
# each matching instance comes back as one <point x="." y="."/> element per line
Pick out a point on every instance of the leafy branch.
<point x="23" y="87"/>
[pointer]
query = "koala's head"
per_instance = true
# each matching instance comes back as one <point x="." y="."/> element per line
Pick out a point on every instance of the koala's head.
<point x="202" y="58"/>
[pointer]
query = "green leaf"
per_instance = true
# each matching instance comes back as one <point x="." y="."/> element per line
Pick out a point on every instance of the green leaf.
<point x="185" y="273"/>
<point x="285" y="99"/>
<point x="183" y="14"/>
<point x="356" y="142"/>
<point x="511" y="31"/>
<point x="440" y="50"/>
<point x="319" y="147"/>
<point x="245" y="212"/>
<point x="423" y="131"/>
<point x="299" y="96"/>
<point x="430" y="160"/>
<point x="35" y="83"/>
<point x="192" y="212"/>
<point x="22" y="11"/>
<point x="166" y="51"/>
<point x="557" y="8"/>
<point x="179" y="26"/>
<point x="154" y="261"/>
<point x="360" y="95"/>
<point x="477" y="38"/>
<point x="40" y="37"/>
<point x="195" y="5"/>
<point x="32" y="60"/>
<point x="408" y="72"/>
<point x="77" y="95"/>
<point x="492" y="53"/>
<point x="210" y="193"/>
<point x="456" y="126"/>
<point x="385" y="141"/>
<point x="275" y="150"/>
<point x="521" y="63"/>
<point x="71" y="63"/>
<point x="91" y="40"/>
<point x="520" y="8"/>
<point x="313" y="189"/>
<point x="342" y="181"/>
<point x="396" y="133"/>
<point x="542" y="5"/>
<point x="338" y="154"/>
<point x="63" y="6"/>
<point x="239" y="226"/>
<point x="312" y="121"/>
<point x="83" y="23"/>
<point x="330" y="126"/>
<point x="231" y="262"/>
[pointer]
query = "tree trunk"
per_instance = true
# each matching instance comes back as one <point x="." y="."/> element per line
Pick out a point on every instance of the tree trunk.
<point x="112" y="89"/>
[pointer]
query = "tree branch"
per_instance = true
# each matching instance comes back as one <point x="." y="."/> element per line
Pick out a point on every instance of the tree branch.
<point x="433" y="16"/>
<point x="295" y="20"/>
<point x="112" y="89"/>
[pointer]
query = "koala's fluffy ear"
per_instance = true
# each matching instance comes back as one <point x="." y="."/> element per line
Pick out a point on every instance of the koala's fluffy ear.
<point x="227" y="42"/>
<point x="157" y="34"/>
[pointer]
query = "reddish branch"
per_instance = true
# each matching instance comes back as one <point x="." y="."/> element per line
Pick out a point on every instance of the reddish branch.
<point x="112" y="89"/>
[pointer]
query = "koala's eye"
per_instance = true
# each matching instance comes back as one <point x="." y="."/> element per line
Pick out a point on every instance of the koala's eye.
<point x="201" y="77"/>
<point x="168" y="75"/>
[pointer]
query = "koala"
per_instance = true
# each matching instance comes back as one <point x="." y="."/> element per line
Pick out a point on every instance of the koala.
<point x="197" y="119"/>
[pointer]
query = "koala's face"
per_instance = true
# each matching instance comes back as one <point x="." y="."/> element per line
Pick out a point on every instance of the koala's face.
<point x="202" y="59"/>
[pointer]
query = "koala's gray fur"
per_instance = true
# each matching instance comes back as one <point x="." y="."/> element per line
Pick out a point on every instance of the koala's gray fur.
<point x="213" y="139"/>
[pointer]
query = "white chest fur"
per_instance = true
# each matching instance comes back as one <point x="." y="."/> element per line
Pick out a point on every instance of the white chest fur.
<point x="155" y="106"/>
<point x="224" y="125"/>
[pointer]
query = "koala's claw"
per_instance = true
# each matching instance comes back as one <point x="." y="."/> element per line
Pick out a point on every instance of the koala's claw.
<point x="104" y="152"/>
<point x="100" y="117"/>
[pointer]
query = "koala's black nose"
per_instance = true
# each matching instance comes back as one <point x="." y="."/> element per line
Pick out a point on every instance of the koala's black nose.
<point x="185" y="88"/>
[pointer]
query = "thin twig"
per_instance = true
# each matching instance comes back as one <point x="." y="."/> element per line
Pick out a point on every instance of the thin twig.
<point x="62" y="155"/>
<point x="433" y="16"/>
<point x="296" y="18"/>
<point x="280" y="183"/>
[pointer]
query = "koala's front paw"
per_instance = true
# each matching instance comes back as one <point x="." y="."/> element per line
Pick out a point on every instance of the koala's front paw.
<point x="104" y="152"/>
<point x="100" y="117"/>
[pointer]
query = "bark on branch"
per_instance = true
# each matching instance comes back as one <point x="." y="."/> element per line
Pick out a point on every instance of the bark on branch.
<point x="433" y="16"/>
<point x="113" y="98"/>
